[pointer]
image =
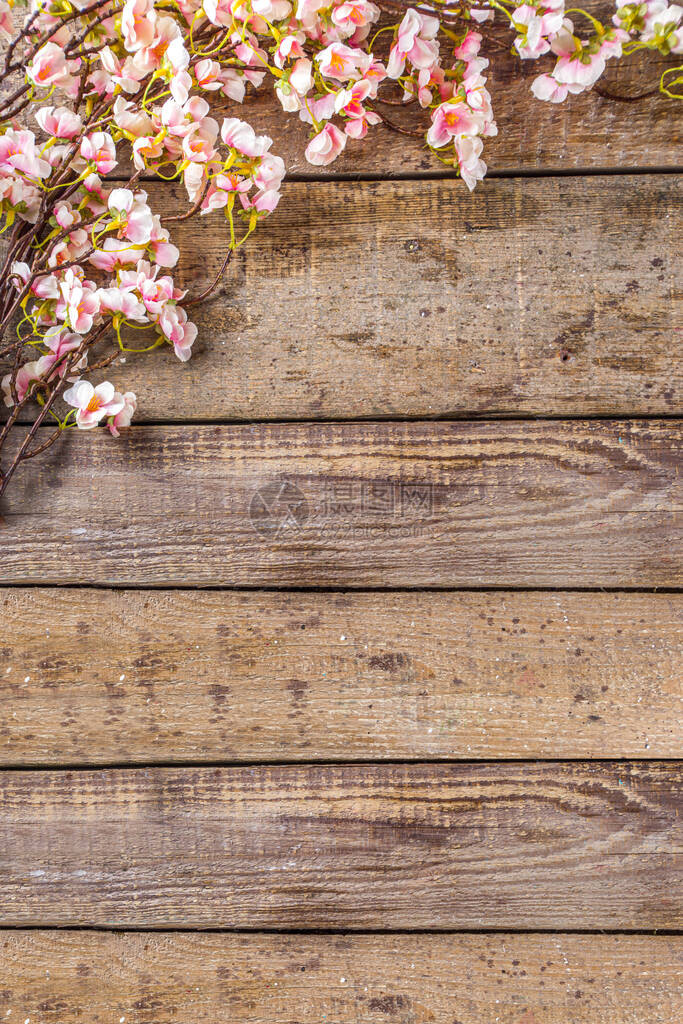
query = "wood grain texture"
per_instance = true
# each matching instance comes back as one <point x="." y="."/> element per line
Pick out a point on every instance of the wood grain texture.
<point x="417" y="299"/>
<point x="559" y="504"/>
<point x="120" y="677"/>
<point x="73" y="977"/>
<point x="522" y="845"/>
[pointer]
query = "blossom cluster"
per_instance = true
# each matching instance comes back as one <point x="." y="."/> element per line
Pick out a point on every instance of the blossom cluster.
<point x="102" y="94"/>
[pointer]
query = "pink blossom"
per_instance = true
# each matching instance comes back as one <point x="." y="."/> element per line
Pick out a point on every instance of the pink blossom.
<point x="342" y="62"/>
<point x="146" y="149"/>
<point x="357" y="127"/>
<point x="292" y="90"/>
<point x="320" y="110"/>
<point x="241" y="136"/>
<point x="611" y="44"/>
<point x="468" y="151"/>
<point x="545" y="87"/>
<point x="133" y="215"/>
<point x="65" y="215"/>
<point x="138" y="22"/>
<point x="180" y="85"/>
<point x="300" y="77"/>
<point x="325" y="146"/>
<point x="93" y="404"/>
<point x="99" y="150"/>
<point x="75" y="245"/>
<point x="26" y="376"/>
<point x="273" y="10"/>
<point x="219" y="12"/>
<point x="306" y="11"/>
<point x="416" y="42"/>
<point x="123" y="418"/>
<point x="122" y="301"/>
<point x="207" y="74"/>
<point x="18" y="153"/>
<point x="289" y="46"/>
<point x="252" y="56"/>
<point x="60" y="341"/>
<point x="154" y="291"/>
<point x="354" y="14"/>
<point x="469" y="47"/>
<point x="451" y="119"/>
<point x="262" y="202"/>
<point x="233" y="84"/>
<point x="194" y="178"/>
<point x="165" y="253"/>
<point x="663" y="26"/>
<point x="48" y="67"/>
<point x="43" y="287"/>
<point x="374" y="74"/>
<point x="114" y="252"/>
<point x="130" y="119"/>
<point x="120" y="73"/>
<point x="60" y="122"/>
<point x="175" y="120"/>
<point x="583" y="69"/>
<point x="6" y="23"/>
<point x="221" y="187"/>
<point x="199" y="143"/>
<point x="81" y="301"/>
<point x="178" y="329"/>
<point x="269" y="173"/>
<point x="530" y="42"/>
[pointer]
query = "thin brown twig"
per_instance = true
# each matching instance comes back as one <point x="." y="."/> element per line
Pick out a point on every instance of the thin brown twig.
<point x="205" y="294"/>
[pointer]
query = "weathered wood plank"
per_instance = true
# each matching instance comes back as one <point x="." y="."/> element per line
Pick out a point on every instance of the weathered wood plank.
<point x="415" y="299"/>
<point x="561" y="504"/>
<point x="267" y="979"/>
<point x="522" y="845"/>
<point x="120" y="677"/>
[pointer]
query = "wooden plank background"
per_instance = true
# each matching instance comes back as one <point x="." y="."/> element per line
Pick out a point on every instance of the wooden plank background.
<point x="504" y="761"/>
<point x="400" y="322"/>
<point x="273" y="676"/>
<point x="566" y="504"/>
<point x="410" y="979"/>
<point x="434" y="847"/>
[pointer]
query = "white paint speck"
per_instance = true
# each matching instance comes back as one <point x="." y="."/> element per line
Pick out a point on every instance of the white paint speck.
<point x="122" y="677"/>
<point x="27" y="679"/>
<point x="342" y="980"/>
<point x="342" y="637"/>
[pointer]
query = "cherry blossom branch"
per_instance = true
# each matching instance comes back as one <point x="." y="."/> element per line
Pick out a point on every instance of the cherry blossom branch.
<point x="89" y="261"/>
